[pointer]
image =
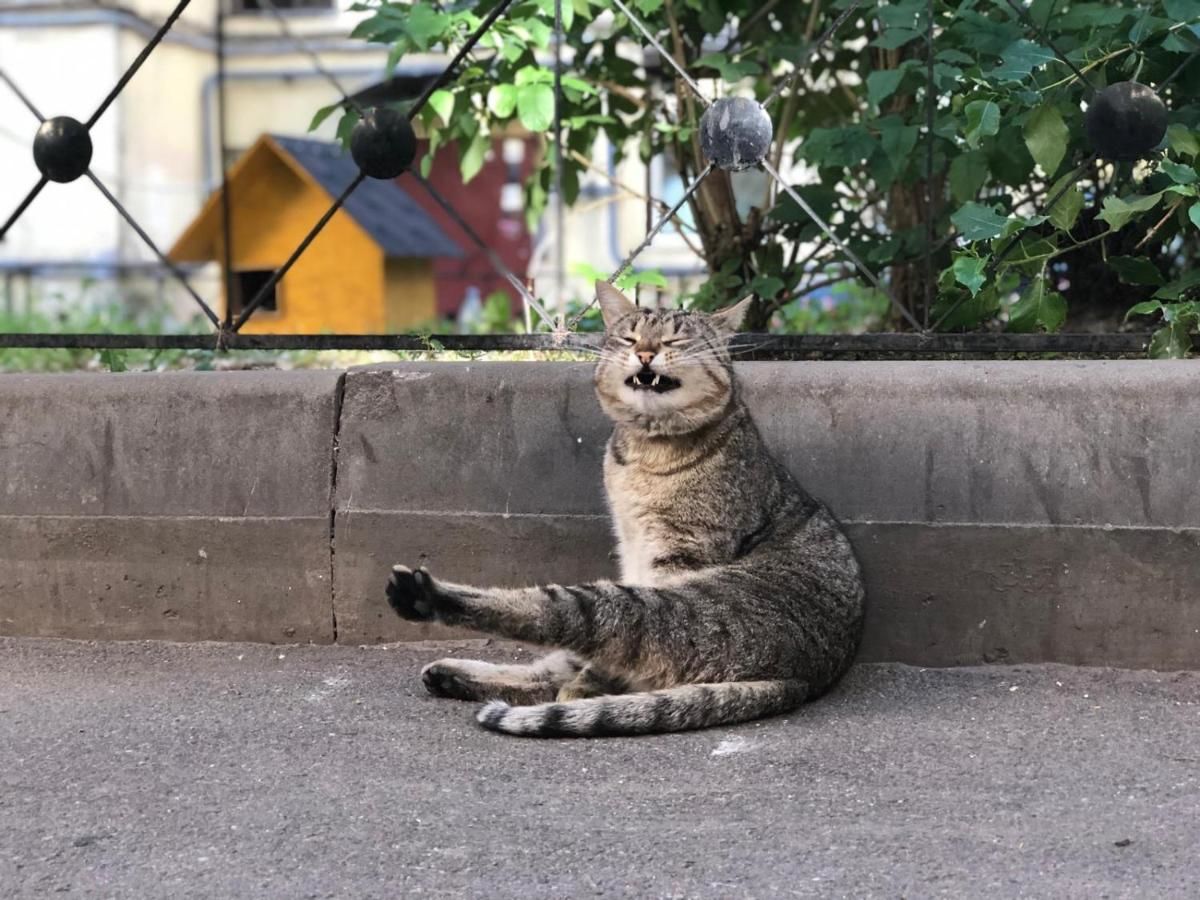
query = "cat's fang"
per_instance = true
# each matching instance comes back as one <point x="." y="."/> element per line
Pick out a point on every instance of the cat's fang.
<point x="652" y="381"/>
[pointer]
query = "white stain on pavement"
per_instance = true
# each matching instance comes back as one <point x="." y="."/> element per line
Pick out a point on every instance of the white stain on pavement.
<point x="732" y="745"/>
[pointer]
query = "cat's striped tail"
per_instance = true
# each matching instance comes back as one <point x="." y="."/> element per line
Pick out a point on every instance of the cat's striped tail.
<point x="651" y="712"/>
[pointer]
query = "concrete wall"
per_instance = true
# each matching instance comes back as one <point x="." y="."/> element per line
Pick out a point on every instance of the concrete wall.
<point x="1002" y="511"/>
<point x="176" y="506"/>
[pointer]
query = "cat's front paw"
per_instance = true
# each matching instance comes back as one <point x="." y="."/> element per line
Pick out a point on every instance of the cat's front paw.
<point x="411" y="594"/>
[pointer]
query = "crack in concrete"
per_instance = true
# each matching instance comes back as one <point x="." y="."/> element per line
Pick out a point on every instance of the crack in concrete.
<point x="339" y="393"/>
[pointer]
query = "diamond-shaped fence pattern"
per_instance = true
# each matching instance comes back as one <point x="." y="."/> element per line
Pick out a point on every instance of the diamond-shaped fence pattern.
<point x="735" y="133"/>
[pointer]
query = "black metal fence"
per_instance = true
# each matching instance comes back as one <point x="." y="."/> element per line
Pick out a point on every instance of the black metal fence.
<point x="383" y="146"/>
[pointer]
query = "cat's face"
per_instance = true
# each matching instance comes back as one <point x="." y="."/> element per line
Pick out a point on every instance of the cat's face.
<point x="665" y="371"/>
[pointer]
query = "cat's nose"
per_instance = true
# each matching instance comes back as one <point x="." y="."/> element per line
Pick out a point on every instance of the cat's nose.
<point x="646" y="357"/>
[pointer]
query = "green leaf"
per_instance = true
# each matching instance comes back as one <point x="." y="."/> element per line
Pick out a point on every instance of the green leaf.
<point x="502" y="100"/>
<point x="894" y="38"/>
<point x="346" y="126"/>
<point x="901" y="13"/>
<point x="1038" y="308"/>
<point x="882" y="83"/>
<point x="535" y="106"/>
<point x="968" y="172"/>
<point x="1144" y="26"/>
<point x="956" y="56"/>
<point x="838" y="146"/>
<point x="1182" y="312"/>
<point x="533" y="75"/>
<point x="568" y="12"/>
<point x="1118" y="212"/>
<point x="983" y="120"/>
<point x="425" y="25"/>
<point x="1046" y="136"/>
<point x="1031" y="253"/>
<point x="473" y="158"/>
<point x="1009" y="160"/>
<point x="1145" y="308"/>
<point x="1181" y="10"/>
<point x="442" y="103"/>
<point x="1066" y="209"/>
<point x="1194" y="214"/>
<point x="588" y="272"/>
<point x="968" y="271"/>
<point x="897" y="140"/>
<point x="730" y="70"/>
<point x="766" y="285"/>
<point x="1019" y="59"/>
<point x="1172" y="342"/>
<point x="395" y="54"/>
<point x="977" y="222"/>
<point x="1183" y="140"/>
<point x="114" y="360"/>
<point x="571" y="83"/>
<point x="1179" y="288"/>
<point x="1179" y="173"/>
<point x="1136" y="270"/>
<point x="322" y="114"/>
<point x="632" y="278"/>
<point x="957" y="309"/>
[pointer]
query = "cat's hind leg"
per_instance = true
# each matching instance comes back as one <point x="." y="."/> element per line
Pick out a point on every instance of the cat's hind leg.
<point x="471" y="679"/>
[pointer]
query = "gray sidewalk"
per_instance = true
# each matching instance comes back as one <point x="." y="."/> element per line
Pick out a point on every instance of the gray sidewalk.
<point x="223" y="770"/>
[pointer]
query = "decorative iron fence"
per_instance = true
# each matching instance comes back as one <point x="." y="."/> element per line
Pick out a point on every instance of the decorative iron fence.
<point x="735" y="133"/>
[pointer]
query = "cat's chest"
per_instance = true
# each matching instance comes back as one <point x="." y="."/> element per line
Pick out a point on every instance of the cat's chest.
<point x="639" y="542"/>
<point x="642" y="530"/>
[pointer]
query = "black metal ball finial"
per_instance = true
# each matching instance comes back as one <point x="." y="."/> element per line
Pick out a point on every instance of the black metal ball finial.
<point x="383" y="143"/>
<point x="735" y="133"/>
<point x="62" y="149"/>
<point x="1126" y="120"/>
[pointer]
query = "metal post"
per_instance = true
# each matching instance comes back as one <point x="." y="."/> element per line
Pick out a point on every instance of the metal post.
<point x="560" y="254"/>
<point x="226" y="205"/>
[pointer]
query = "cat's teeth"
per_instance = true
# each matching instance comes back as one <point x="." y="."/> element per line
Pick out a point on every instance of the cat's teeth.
<point x="654" y="383"/>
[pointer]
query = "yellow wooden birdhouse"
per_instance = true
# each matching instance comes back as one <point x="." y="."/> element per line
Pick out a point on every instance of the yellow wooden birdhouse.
<point x="370" y="269"/>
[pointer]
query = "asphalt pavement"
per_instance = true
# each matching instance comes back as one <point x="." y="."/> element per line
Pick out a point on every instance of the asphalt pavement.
<point x="146" y="770"/>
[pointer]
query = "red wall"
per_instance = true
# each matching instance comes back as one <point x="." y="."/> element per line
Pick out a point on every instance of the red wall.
<point x="478" y="203"/>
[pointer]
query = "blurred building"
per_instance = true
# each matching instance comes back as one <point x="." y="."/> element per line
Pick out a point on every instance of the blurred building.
<point x="159" y="149"/>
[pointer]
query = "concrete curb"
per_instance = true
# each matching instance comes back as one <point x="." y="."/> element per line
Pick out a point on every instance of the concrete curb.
<point x="181" y="506"/>
<point x="1003" y="511"/>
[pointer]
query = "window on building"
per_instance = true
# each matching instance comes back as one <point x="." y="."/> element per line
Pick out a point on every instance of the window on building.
<point x="247" y="284"/>
<point x="254" y="6"/>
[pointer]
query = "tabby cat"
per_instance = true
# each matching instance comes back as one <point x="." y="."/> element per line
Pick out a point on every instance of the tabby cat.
<point x="739" y="597"/>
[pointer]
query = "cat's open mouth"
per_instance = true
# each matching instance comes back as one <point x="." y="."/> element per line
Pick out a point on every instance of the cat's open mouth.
<point x="647" y="380"/>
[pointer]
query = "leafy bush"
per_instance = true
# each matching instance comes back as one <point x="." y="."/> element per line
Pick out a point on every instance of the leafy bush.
<point x="1007" y="137"/>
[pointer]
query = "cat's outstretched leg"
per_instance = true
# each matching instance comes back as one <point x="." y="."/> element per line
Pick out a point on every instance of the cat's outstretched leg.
<point x="583" y="618"/>
<point x="551" y="616"/>
<point x="471" y="679"/>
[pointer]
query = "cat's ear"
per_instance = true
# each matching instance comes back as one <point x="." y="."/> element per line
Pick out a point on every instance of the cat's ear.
<point x="729" y="320"/>
<point x="614" y="305"/>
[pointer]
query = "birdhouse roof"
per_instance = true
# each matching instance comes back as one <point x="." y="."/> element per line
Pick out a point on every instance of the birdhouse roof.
<point x="392" y="219"/>
<point x="388" y="214"/>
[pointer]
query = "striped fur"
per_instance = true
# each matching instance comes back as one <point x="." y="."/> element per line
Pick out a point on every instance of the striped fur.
<point x="679" y="708"/>
<point x="739" y="596"/>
